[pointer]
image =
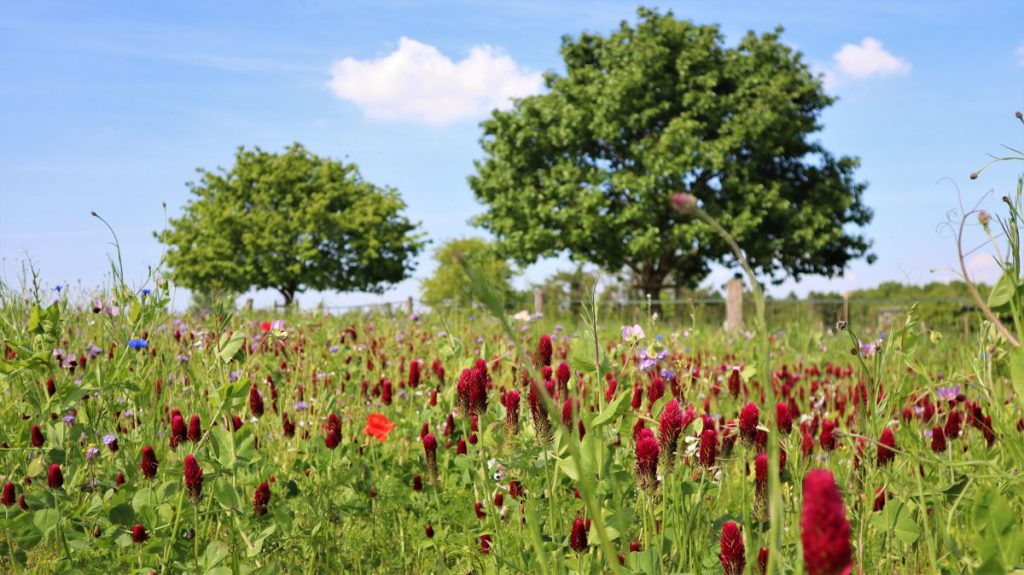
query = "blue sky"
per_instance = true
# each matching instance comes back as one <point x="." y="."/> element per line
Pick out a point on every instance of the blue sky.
<point x="110" y="106"/>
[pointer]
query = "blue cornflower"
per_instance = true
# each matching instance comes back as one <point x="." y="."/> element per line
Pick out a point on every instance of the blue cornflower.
<point x="138" y="343"/>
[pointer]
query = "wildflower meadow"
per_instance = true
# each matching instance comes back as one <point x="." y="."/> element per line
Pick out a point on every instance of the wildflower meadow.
<point x="470" y="432"/>
<point x="138" y="440"/>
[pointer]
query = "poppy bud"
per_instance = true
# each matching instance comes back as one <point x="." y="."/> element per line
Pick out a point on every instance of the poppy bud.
<point x="683" y="202"/>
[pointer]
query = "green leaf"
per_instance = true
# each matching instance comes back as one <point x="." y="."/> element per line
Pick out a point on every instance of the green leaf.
<point x="226" y="494"/>
<point x="33" y="320"/>
<point x="1017" y="370"/>
<point x="1002" y="293"/>
<point x="25" y="531"/>
<point x="46" y="520"/>
<point x="906" y="528"/>
<point x="231" y="349"/>
<point x="122" y="514"/>
<point x="223" y="443"/>
<point x="612" y="411"/>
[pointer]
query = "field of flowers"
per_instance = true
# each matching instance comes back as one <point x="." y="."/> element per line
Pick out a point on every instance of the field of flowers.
<point x="133" y="440"/>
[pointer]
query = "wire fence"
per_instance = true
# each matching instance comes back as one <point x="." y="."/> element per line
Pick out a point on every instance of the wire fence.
<point x="868" y="314"/>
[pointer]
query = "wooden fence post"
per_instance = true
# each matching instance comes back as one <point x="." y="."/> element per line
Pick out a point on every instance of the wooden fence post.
<point x="408" y="305"/>
<point x="538" y="301"/>
<point x="734" y="305"/>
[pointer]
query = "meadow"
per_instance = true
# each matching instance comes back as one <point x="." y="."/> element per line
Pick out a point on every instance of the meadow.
<point x="134" y="440"/>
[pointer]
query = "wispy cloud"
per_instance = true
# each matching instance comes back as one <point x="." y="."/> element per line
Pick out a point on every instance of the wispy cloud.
<point x="868" y="59"/>
<point x="418" y="83"/>
<point x="1019" y="53"/>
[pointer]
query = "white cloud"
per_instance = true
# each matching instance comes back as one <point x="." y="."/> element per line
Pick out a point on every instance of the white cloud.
<point x="983" y="268"/>
<point x="418" y="83"/>
<point x="861" y="61"/>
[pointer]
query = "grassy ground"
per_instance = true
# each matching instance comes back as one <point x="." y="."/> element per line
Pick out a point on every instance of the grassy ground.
<point x="509" y="503"/>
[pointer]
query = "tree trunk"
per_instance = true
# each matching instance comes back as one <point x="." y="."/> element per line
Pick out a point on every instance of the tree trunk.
<point x="288" y="293"/>
<point x="652" y="283"/>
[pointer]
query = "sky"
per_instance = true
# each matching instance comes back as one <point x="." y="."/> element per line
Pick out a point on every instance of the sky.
<point x="112" y="106"/>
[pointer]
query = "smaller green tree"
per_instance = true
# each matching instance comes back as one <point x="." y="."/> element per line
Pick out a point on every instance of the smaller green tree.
<point x="290" y="222"/>
<point x="448" y="285"/>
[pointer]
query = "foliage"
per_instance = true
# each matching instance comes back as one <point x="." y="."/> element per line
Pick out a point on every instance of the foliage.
<point x="664" y="106"/>
<point x="291" y="222"/>
<point x="447" y="285"/>
<point x="354" y="508"/>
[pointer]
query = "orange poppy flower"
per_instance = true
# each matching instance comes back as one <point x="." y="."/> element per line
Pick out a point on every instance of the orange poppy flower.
<point x="379" y="426"/>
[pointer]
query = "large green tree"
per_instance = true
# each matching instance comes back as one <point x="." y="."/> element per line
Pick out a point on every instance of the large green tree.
<point x="665" y="106"/>
<point x="448" y="284"/>
<point x="290" y="222"/>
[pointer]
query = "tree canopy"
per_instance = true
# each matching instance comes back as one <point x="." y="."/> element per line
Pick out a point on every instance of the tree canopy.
<point x="290" y="222"/>
<point x="660" y="107"/>
<point x="449" y="286"/>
